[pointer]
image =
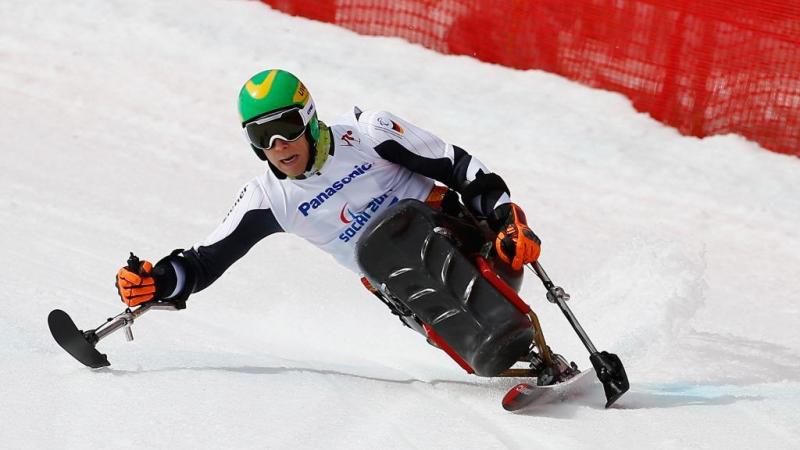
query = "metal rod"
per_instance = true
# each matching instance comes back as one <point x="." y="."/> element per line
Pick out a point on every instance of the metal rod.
<point x="517" y="373"/>
<point x="536" y="267"/>
<point x="538" y="338"/>
<point x="109" y="327"/>
<point x="558" y="296"/>
<point x="577" y="326"/>
<point x="126" y="318"/>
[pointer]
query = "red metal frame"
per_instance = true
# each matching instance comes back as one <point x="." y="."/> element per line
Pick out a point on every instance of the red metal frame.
<point x="508" y="292"/>
<point x="436" y="339"/>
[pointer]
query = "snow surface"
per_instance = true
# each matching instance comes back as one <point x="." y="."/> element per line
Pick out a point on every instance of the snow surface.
<point x="119" y="132"/>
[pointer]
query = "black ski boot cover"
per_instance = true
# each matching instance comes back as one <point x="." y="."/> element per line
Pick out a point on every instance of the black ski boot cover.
<point x="407" y="254"/>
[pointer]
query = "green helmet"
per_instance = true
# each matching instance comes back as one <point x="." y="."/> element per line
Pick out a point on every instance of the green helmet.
<point x="275" y="90"/>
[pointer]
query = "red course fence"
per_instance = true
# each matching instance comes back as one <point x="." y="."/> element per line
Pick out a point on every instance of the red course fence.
<point x="703" y="66"/>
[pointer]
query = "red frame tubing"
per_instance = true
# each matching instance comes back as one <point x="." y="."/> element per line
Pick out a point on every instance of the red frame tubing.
<point x="508" y="292"/>
<point x="436" y="339"/>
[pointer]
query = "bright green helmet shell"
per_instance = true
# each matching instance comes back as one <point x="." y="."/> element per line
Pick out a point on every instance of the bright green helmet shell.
<point x="273" y="90"/>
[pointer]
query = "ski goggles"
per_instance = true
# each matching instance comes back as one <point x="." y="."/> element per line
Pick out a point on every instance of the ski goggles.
<point x="288" y="125"/>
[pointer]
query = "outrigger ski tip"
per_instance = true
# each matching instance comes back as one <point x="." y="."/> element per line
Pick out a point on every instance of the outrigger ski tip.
<point x="77" y="343"/>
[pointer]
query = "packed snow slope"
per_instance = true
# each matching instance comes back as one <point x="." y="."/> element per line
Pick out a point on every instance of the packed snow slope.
<point x="119" y="133"/>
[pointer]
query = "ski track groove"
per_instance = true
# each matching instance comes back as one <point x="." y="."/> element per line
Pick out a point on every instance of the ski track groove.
<point x="479" y="419"/>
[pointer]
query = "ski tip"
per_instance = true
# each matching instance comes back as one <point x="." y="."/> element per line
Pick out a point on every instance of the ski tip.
<point x="55" y="315"/>
<point x="58" y="319"/>
<point x="524" y="395"/>
<point x="517" y="397"/>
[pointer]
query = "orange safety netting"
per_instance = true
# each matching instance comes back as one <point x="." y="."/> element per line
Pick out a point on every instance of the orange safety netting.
<point x="703" y="66"/>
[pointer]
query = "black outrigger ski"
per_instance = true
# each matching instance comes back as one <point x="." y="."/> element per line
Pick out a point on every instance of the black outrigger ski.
<point x="81" y="344"/>
<point x="77" y="343"/>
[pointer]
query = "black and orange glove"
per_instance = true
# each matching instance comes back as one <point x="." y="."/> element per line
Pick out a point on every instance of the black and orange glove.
<point x="136" y="285"/>
<point x="515" y="243"/>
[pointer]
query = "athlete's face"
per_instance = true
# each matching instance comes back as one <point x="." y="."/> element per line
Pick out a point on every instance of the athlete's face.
<point x="291" y="158"/>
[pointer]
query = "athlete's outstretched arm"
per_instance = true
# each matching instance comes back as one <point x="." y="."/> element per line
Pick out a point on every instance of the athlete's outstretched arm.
<point x="185" y="272"/>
